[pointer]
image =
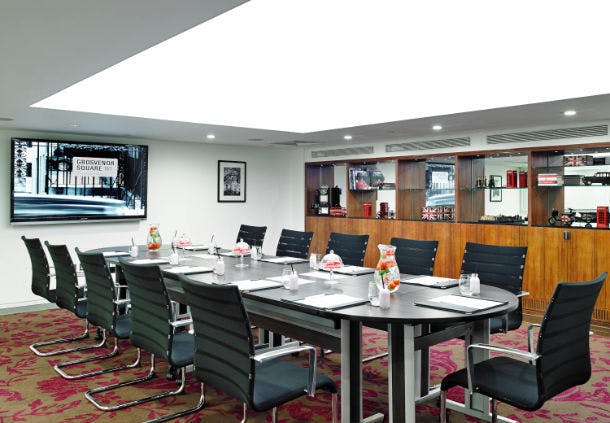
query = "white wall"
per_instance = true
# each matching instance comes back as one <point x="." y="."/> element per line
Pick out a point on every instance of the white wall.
<point x="182" y="180"/>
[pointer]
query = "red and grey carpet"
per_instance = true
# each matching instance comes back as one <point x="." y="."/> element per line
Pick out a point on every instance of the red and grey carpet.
<point x="31" y="391"/>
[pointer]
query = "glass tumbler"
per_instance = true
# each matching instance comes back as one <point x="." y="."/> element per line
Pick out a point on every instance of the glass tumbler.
<point x="373" y="294"/>
<point x="464" y="284"/>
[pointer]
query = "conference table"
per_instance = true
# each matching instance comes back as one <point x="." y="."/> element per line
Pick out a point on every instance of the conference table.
<point x="408" y="326"/>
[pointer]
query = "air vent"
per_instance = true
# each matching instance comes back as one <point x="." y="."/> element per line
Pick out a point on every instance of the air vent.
<point x="549" y="134"/>
<point x="427" y="145"/>
<point x="342" y="152"/>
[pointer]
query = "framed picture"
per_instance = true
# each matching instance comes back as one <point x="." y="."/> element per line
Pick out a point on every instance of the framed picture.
<point x="495" y="195"/>
<point x="231" y="182"/>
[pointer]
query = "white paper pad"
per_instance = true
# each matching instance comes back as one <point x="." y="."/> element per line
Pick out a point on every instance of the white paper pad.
<point x="330" y="301"/>
<point x="470" y="302"/>
<point x="151" y="261"/>
<point x="185" y="270"/>
<point x="283" y="260"/>
<point x="204" y="256"/>
<point x="231" y="254"/>
<point x="248" y="285"/>
<point x="280" y="279"/>
<point x="194" y="247"/>
<point x="323" y="275"/>
<point x="115" y="253"/>
<point x="352" y="270"/>
<point x="428" y="280"/>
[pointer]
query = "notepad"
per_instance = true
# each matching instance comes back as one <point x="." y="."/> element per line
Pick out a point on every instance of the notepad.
<point x="323" y="275"/>
<point x="432" y="281"/>
<point x="115" y="253"/>
<point x="186" y="270"/>
<point x="284" y="260"/>
<point x="461" y="304"/>
<point x="229" y="254"/>
<point x="194" y="247"/>
<point x="249" y="285"/>
<point x="280" y="279"/>
<point x="150" y="261"/>
<point x="329" y="301"/>
<point x="354" y="270"/>
<point x="204" y="256"/>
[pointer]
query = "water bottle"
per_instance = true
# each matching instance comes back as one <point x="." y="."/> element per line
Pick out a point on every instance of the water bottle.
<point x="475" y="284"/>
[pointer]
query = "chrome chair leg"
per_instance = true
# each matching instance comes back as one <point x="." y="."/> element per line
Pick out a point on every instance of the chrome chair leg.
<point x="334" y="404"/>
<point x="151" y="374"/>
<point x="274" y="415"/>
<point x="494" y="411"/>
<point x="374" y="357"/>
<point x="115" y="351"/>
<point x="443" y="406"/>
<point x="177" y="414"/>
<point x="245" y="413"/>
<point x="34" y="347"/>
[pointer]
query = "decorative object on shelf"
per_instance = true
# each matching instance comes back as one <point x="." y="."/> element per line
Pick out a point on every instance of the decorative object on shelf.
<point x="602" y="217"/>
<point x="367" y="209"/>
<point x="231" y="182"/>
<point x="153" y="240"/>
<point x="387" y="274"/>
<point x="550" y="179"/>
<point x="495" y="183"/>
<point x="599" y="178"/>
<point x="338" y="211"/>
<point x="502" y="219"/>
<point x="554" y="217"/>
<point x="241" y="248"/>
<point x="522" y="179"/>
<point x="331" y="262"/>
<point x="442" y="213"/>
<point x="511" y="179"/>
<point x="577" y="160"/>
<point x="383" y="210"/>
<point x="322" y="200"/>
<point x="572" y="180"/>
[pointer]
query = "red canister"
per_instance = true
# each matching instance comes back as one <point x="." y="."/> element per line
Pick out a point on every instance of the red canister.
<point x="367" y="209"/>
<point x="522" y="179"/>
<point x="511" y="179"/>
<point x="383" y="210"/>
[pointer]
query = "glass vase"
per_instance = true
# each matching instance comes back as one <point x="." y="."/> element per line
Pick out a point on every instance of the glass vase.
<point x="387" y="274"/>
<point x="153" y="240"/>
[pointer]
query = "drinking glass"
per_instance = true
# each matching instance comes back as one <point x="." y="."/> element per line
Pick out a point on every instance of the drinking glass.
<point x="286" y="272"/>
<point x="373" y="294"/>
<point x="464" y="284"/>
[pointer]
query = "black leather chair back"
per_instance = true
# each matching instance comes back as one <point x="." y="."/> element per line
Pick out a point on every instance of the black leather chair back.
<point x="499" y="266"/>
<point x="151" y="311"/>
<point x="101" y="292"/>
<point x="40" y="269"/>
<point x="563" y="340"/>
<point x="223" y="338"/>
<point x="351" y="248"/>
<point x="415" y="257"/>
<point x="67" y="292"/>
<point x="294" y="244"/>
<point x="253" y="235"/>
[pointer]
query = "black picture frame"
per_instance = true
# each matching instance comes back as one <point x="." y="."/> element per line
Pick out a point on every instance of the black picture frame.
<point x="495" y="192"/>
<point x="231" y="181"/>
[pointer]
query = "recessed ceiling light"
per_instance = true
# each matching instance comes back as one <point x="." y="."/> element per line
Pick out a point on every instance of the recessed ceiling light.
<point x="347" y="137"/>
<point x="437" y="127"/>
<point x="74" y="125"/>
<point x="173" y="80"/>
<point x="569" y="113"/>
<point x="210" y="136"/>
<point x="5" y="119"/>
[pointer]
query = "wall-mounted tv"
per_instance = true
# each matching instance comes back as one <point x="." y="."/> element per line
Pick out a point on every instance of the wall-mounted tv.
<point x="55" y="181"/>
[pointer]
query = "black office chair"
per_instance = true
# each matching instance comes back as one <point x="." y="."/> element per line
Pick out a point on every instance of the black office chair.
<point x="562" y="358"/>
<point x="104" y="309"/>
<point x="351" y="248"/>
<point x="252" y="235"/>
<point x="294" y="244"/>
<point x="502" y="267"/>
<point x="153" y="329"/>
<point x="225" y="358"/>
<point x="41" y="271"/>
<point x="415" y="257"/>
<point x="69" y="296"/>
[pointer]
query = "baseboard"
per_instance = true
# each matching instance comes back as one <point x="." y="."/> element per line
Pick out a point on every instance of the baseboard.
<point x="25" y="307"/>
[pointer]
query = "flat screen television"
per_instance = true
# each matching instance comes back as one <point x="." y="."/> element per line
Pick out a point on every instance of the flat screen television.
<point x="58" y="181"/>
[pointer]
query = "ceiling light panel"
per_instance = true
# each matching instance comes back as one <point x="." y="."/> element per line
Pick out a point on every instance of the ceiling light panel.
<point x="312" y="65"/>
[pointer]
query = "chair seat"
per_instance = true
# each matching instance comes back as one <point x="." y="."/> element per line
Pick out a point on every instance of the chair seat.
<point x="183" y="348"/>
<point x="280" y="381"/>
<point x="510" y="381"/>
<point x="81" y="309"/>
<point x="122" y="326"/>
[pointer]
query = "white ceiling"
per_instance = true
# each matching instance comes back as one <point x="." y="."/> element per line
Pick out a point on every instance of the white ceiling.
<point x="48" y="46"/>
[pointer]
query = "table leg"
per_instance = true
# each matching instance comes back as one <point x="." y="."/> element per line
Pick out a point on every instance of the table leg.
<point x="351" y="371"/>
<point x="401" y="373"/>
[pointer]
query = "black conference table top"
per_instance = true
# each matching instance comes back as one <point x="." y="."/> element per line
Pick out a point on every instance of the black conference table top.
<point x="270" y="306"/>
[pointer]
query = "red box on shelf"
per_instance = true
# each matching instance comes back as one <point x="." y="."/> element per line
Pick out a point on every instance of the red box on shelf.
<point x="602" y="217"/>
<point x="511" y="179"/>
<point x="367" y="209"/>
<point x="522" y="181"/>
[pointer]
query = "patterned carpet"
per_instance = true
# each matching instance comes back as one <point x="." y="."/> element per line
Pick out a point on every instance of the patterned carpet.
<point x="31" y="391"/>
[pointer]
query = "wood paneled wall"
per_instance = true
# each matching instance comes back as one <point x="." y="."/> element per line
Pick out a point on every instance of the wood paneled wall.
<point x="554" y="254"/>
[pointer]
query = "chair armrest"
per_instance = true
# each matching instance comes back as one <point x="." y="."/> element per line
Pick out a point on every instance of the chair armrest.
<point x="122" y="301"/>
<point x="281" y="351"/>
<point x="530" y="336"/>
<point x="522" y="294"/>
<point x="81" y="299"/>
<point x="180" y="323"/>
<point x="532" y="357"/>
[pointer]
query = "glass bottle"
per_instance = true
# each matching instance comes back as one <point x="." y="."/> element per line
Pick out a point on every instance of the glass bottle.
<point x="153" y="240"/>
<point x="387" y="274"/>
